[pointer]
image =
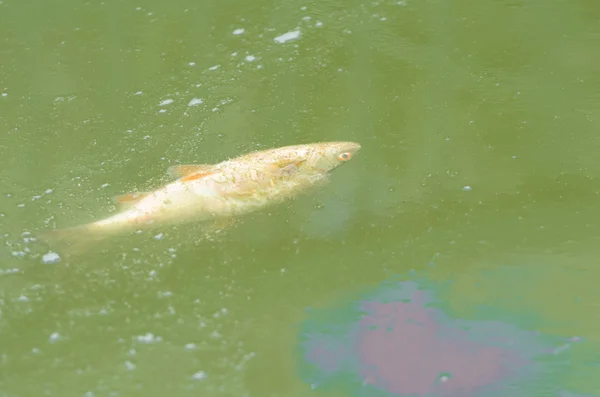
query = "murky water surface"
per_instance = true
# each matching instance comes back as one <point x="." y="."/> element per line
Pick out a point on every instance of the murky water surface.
<point x="479" y="129"/>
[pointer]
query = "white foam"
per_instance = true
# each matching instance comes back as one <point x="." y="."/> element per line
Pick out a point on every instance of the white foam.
<point x="284" y="38"/>
<point x="148" y="338"/>
<point x="195" y="101"/>
<point x="54" y="337"/>
<point x="200" y="375"/>
<point x="50" y="258"/>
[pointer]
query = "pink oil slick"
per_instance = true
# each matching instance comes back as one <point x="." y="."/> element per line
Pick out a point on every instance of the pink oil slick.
<point x="399" y="342"/>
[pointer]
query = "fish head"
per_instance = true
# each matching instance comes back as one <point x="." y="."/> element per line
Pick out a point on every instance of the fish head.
<point x="327" y="156"/>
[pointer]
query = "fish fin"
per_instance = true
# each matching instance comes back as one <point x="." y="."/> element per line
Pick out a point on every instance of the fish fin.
<point x="286" y="167"/>
<point x="181" y="170"/>
<point x="72" y="240"/>
<point x="130" y="199"/>
<point x="291" y="168"/>
<point x="193" y="177"/>
<point x="218" y="225"/>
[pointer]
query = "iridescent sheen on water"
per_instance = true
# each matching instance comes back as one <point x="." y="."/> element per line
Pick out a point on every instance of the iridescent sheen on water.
<point x="400" y="341"/>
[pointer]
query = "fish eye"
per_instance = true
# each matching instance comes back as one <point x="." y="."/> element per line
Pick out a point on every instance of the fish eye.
<point x="345" y="156"/>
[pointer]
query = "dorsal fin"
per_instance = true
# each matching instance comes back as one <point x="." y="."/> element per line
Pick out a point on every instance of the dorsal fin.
<point x="199" y="175"/>
<point x="181" y="170"/>
<point x="128" y="200"/>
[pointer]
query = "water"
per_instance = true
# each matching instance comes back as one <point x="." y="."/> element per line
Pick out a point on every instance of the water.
<point x="479" y="124"/>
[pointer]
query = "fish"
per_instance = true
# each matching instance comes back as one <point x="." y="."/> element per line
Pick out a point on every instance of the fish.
<point x="217" y="194"/>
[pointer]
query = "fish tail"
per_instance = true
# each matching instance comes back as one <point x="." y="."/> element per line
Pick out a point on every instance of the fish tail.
<point x="72" y="240"/>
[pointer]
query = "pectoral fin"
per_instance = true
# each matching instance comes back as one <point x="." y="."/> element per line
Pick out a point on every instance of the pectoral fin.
<point x="181" y="170"/>
<point x="284" y="167"/>
<point x="129" y="200"/>
<point x="218" y="226"/>
<point x="291" y="168"/>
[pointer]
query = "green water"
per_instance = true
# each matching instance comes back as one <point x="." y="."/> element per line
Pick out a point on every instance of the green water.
<point x="480" y="126"/>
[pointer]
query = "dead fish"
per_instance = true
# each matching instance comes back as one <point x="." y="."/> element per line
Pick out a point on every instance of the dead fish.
<point x="218" y="192"/>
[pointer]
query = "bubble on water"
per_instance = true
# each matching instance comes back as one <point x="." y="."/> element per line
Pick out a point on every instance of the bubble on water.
<point x="50" y="258"/>
<point x="238" y="31"/>
<point x="250" y="58"/>
<point x="214" y="67"/>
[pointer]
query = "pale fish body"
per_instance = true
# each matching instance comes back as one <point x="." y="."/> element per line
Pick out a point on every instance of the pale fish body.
<point x="225" y="190"/>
